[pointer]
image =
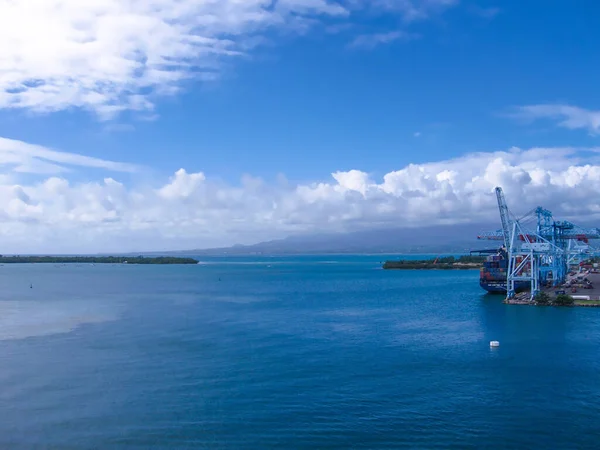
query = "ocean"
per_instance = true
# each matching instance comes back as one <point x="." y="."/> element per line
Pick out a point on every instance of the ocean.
<point x="327" y="352"/>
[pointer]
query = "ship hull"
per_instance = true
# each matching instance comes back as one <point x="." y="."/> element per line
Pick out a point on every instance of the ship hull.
<point x="494" y="272"/>
<point x="499" y="287"/>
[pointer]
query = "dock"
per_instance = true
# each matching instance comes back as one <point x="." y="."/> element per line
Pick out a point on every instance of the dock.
<point x="582" y="284"/>
<point x="583" y="287"/>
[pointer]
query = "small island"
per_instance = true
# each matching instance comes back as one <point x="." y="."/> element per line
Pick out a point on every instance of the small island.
<point x="95" y="260"/>
<point x="443" y="263"/>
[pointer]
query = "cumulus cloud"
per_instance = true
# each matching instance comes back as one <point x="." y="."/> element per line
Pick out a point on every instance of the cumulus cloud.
<point x="571" y="117"/>
<point x="114" y="55"/>
<point x="192" y="210"/>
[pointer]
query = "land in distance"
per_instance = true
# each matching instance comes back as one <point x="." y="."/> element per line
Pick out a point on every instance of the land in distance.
<point x="447" y="263"/>
<point x="441" y="239"/>
<point x="95" y="260"/>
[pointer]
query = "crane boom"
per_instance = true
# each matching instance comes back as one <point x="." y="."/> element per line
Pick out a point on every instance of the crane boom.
<point x="504" y="217"/>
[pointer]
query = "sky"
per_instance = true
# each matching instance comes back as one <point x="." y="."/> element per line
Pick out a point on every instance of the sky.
<point x="152" y="125"/>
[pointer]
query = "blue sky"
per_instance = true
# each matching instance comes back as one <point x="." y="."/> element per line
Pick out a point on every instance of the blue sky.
<point x="308" y="89"/>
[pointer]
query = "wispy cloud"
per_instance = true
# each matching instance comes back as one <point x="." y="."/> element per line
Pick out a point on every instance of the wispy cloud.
<point x="567" y="116"/>
<point x="338" y="28"/>
<point x="370" y="41"/>
<point x="23" y="157"/>
<point x="485" y="12"/>
<point x="108" y="56"/>
<point x="414" y="10"/>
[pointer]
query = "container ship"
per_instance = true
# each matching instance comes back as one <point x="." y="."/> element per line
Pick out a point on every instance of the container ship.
<point x="492" y="276"/>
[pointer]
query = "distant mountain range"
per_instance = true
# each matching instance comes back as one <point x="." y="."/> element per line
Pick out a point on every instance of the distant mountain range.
<point x="437" y="239"/>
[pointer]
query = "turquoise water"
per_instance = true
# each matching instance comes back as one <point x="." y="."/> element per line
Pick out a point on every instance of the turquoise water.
<point x="314" y="352"/>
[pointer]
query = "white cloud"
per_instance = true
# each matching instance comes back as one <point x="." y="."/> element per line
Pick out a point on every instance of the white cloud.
<point x="571" y="117"/>
<point x="22" y="157"/>
<point x="485" y="12"/>
<point x="114" y="55"/>
<point x="370" y="41"/>
<point x="191" y="210"/>
<point x="413" y="10"/>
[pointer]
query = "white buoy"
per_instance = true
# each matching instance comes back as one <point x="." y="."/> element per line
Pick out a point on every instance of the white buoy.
<point x="494" y="344"/>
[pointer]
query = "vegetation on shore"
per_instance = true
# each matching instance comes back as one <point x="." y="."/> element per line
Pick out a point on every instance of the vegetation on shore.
<point x="543" y="299"/>
<point x="446" y="262"/>
<point x="96" y="260"/>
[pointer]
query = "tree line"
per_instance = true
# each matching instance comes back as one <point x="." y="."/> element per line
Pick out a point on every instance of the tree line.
<point x="445" y="262"/>
<point x="16" y="259"/>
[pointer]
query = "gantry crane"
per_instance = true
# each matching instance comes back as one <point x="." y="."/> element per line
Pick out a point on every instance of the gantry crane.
<point x="541" y="254"/>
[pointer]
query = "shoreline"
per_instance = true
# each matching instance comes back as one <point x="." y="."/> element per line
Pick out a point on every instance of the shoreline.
<point x="576" y="303"/>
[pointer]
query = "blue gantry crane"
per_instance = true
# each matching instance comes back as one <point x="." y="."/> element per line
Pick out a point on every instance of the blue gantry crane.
<point x="540" y="250"/>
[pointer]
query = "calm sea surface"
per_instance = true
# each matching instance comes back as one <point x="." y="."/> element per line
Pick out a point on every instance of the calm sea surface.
<point x="288" y="353"/>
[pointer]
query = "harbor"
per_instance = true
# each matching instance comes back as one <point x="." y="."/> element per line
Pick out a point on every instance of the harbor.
<point x="583" y="288"/>
<point x="539" y="260"/>
<point x="542" y="261"/>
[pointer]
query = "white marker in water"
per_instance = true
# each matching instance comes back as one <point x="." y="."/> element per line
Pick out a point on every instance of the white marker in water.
<point x="494" y="344"/>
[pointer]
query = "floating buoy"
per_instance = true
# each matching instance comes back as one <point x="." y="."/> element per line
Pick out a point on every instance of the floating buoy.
<point x="494" y="344"/>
